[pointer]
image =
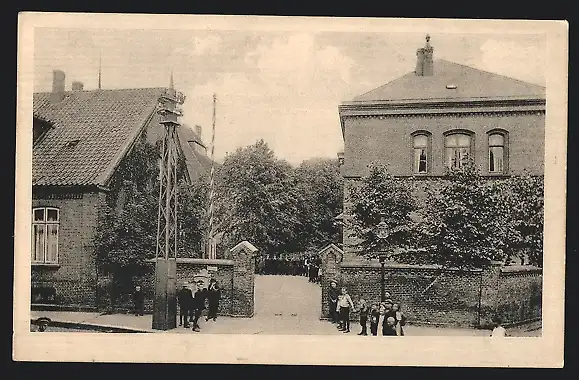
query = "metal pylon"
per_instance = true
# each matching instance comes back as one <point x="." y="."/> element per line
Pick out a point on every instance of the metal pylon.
<point x="167" y="215"/>
<point x="165" y="308"/>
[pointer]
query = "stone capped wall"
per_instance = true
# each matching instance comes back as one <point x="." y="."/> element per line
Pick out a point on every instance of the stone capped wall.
<point x="431" y="296"/>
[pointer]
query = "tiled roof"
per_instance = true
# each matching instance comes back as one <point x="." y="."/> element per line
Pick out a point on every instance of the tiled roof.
<point x="470" y="83"/>
<point x="92" y="131"/>
<point x="197" y="162"/>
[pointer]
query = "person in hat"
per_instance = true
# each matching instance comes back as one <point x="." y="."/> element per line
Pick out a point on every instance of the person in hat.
<point x="42" y="323"/>
<point x="388" y="304"/>
<point x="198" y="304"/>
<point x="139" y="301"/>
<point x="389" y="328"/>
<point x="400" y="319"/>
<point x="185" y="299"/>
<point x="213" y="297"/>
<point x="333" y="294"/>
<point x="374" y="318"/>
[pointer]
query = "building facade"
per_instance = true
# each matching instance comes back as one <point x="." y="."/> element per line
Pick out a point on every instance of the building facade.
<point x="81" y="139"/>
<point x="435" y="117"/>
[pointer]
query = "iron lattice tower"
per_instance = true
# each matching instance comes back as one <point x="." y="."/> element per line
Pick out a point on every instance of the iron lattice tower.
<point x="167" y="215"/>
<point x="166" y="250"/>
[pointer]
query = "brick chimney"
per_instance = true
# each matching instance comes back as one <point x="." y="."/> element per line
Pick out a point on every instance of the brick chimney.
<point x="77" y="86"/>
<point x="57" y="86"/>
<point x="424" y="64"/>
<point x="198" y="131"/>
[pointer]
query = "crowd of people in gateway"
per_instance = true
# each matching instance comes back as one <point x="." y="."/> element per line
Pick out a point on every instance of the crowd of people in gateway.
<point x="286" y="265"/>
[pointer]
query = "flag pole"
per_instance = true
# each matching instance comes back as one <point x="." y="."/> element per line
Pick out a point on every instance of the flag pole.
<point x="210" y="249"/>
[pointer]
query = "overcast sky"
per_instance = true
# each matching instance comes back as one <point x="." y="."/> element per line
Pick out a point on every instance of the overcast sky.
<point x="282" y="87"/>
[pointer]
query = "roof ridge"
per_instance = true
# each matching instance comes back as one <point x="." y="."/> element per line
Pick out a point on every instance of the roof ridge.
<point x="488" y="72"/>
<point x="385" y="84"/>
<point x="106" y="89"/>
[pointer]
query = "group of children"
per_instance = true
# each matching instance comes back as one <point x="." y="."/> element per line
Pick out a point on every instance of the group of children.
<point x="386" y="318"/>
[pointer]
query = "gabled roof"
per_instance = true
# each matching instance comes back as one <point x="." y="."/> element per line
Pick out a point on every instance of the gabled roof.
<point x="470" y="83"/>
<point x="92" y="132"/>
<point x="197" y="162"/>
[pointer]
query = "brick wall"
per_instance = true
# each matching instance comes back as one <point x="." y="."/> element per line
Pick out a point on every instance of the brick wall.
<point x="187" y="270"/>
<point x="236" y="278"/>
<point x="429" y="295"/>
<point x="388" y="140"/>
<point x="243" y="280"/>
<point x="520" y="294"/>
<point x="74" y="278"/>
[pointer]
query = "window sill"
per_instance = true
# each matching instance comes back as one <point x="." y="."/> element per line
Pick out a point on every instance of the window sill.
<point x="46" y="265"/>
<point x="498" y="175"/>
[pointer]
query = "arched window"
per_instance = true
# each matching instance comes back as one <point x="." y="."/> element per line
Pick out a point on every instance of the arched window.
<point x="421" y="149"/>
<point x="45" y="225"/>
<point x="497" y="151"/>
<point x="458" y="148"/>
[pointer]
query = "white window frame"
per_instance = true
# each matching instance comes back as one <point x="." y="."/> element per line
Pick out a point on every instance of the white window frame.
<point x="505" y="158"/>
<point x="45" y="223"/>
<point x="427" y="148"/>
<point x="470" y="146"/>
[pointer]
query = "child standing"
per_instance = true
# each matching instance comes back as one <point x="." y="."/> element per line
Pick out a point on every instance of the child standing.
<point x="363" y="307"/>
<point x="344" y="305"/>
<point x="400" y="319"/>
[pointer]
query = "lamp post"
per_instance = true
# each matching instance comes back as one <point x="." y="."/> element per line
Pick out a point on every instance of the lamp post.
<point x="382" y="232"/>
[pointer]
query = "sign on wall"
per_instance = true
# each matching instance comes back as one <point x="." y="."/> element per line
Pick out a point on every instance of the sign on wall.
<point x="211" y="268"/>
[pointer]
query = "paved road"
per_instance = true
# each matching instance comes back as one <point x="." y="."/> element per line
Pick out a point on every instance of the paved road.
<point x="286" y="305"/>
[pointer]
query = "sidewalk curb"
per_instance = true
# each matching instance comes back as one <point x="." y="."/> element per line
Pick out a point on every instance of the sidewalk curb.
<point x="96" y="326"/>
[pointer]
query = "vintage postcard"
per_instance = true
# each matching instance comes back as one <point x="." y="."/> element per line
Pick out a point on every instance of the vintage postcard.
<point x="290" y="190"/>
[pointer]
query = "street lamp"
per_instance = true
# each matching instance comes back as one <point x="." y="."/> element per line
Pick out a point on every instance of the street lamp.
<point x="382" y="232"/>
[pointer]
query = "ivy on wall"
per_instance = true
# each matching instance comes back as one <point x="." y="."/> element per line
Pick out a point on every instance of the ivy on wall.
<point x="127" y="230"/>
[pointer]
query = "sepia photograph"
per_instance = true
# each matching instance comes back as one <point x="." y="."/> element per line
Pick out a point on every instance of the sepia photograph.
<point x="307" y="183"/>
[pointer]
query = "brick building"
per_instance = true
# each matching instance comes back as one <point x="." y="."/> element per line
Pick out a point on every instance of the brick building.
<point x="437" y="115"/>
<point x="81" y="138"/>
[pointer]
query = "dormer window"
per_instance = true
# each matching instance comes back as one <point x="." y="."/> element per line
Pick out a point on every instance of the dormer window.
<point x="72" y="143"/>
<point x="39" y="129"/>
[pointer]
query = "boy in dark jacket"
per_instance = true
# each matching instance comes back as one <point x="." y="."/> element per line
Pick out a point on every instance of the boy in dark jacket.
<point x="333" y="300"/>
<point x="185" y="299"/>
<point x="139" y="300"/>
<point x="363" y="317"/>
<point x="213" y="297"/>
<point x="198" y="304"/>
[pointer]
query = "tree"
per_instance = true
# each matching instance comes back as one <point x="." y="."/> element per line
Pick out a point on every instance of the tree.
<point x="381" y="197"/>
<point x="256" y="199"/>
<point x="319" y="188"/>
<point x="192" y="217"/>
<point x="463" y="222"/>
<point x="126" y="235"/>
<point x="523" y="208"/>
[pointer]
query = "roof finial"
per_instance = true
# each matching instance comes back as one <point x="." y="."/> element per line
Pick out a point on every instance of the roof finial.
<point x="428" y="40"/>
<point x="100" y="69"/>
<point x="171" y="85"/>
